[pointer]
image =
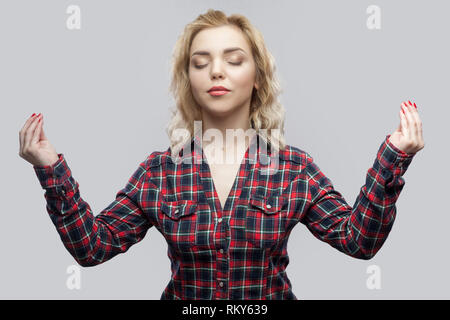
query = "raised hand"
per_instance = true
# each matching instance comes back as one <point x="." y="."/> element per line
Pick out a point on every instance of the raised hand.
<point x="34" y="145"/>
<point x="408" y="136"/>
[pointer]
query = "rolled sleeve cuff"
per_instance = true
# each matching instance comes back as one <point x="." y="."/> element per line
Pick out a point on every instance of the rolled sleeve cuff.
<point x="53" y="175"/>
<point x="390" y="157"/>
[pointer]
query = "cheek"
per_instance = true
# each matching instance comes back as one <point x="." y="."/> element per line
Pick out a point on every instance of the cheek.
<point x="195" y="80"/>
<point x="243" y="77"/>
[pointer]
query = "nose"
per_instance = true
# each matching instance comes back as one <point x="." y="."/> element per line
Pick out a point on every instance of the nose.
<point x="216" y="71"/>
<point x="217" y="74"/>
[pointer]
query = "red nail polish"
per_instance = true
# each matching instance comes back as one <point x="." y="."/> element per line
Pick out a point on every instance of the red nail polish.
<point x="410" y="103"/>
<point x="415" y="105"/>
<point x="32" y="115"/>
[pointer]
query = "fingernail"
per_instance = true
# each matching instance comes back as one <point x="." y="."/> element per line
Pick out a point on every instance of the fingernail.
<point x="32" y="115"/>
<point x="415" y="105"/>
<point x="410" y="102"/>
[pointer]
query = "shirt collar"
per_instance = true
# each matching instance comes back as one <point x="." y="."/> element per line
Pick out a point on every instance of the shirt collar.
<point x="257" y="144"/>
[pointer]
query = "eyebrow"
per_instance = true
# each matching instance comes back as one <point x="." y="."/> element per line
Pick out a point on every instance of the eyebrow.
<point x="206" y="53"/>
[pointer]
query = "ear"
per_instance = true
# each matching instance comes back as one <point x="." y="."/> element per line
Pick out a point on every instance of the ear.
<point x="256" y="86"/>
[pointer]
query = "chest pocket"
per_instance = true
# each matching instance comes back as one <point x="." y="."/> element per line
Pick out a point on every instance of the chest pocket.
<point x="179" y="222"/>
<point x="266" y="220"/>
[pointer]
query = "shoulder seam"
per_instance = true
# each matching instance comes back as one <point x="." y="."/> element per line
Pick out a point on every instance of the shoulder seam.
<point x="154" y="159"/>
<point x="296" y="155"/>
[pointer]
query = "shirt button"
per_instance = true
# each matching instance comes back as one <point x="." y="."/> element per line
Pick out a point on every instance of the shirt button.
<point x="221" y="250"/>
<point x="221" y="283"/>
<point x="176" y="211"/>
<point x="268" y="206"/>
<point x="220" y="220"/>
<point x="400" y="163"/>
<point x="63" y="192"/>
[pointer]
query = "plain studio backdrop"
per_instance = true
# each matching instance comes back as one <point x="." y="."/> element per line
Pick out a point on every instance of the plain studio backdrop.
<point x="103" y="91"/>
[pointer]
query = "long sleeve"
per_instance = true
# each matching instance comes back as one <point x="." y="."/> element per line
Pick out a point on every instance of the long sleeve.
<point x="359" y="231"/>
<point x="93" y="240"/>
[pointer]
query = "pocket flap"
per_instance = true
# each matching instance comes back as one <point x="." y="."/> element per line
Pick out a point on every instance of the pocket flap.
<point x="177" y="209"/>
<point x="269" y="204"/>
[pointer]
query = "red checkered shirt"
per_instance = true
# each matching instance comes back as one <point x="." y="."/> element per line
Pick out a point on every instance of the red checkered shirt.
<point x="235" y="252"/>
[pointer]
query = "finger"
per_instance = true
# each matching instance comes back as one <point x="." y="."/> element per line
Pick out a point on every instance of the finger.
<point x="30" y="131"/>
<point x="414" y="123"/>
<point x="420" y="131"/>
<point x="37" y="132"/>
<point x="29" y="122"/>
<point x="417" y="122"/>
<point x="408" y="116"/>
<point x="42" y="135"/>
<point x="24" y="129"/>
<point x="404" y="124"/>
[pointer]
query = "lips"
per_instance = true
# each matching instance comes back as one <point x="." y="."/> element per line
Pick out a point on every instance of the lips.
<point x="217" y="92"/>
<point x="218" y="88"/>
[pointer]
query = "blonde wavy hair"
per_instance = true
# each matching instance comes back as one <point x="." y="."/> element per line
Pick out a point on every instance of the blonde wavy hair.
<point x="266" y="112"/>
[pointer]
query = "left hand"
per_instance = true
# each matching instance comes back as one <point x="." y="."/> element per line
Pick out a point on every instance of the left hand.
<point x="408" y="136"/>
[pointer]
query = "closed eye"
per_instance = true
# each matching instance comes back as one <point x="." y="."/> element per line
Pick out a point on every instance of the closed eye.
<point x="204" y="65"/>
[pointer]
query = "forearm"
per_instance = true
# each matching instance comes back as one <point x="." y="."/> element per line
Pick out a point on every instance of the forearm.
<point x="92" y="240"/>
<point x="361" y="230"/>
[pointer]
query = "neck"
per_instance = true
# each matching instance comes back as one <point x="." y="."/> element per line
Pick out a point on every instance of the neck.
<point x="217" y="145"/>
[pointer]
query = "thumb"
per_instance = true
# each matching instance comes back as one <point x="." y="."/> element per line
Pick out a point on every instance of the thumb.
<point x="42" y="135"/>
<point x="402" y="126"/>
<point x="399" y="128"/>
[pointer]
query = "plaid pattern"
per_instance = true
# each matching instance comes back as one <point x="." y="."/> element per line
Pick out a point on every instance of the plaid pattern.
<point x="235" y="252"/>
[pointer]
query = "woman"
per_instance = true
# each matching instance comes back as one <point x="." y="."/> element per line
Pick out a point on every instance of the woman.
<point x="226" y="225"/>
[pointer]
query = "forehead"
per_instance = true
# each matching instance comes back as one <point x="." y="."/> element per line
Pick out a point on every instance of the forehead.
<point x="217" y="38"/>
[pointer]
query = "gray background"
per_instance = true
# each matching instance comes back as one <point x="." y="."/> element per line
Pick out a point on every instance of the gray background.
<point x="103" y="91"/>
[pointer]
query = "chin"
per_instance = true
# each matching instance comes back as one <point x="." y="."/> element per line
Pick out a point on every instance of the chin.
<point x="218" y="111"/>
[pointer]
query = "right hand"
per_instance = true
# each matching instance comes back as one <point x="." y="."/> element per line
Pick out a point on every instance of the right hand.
<point x="34" y="145"/>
